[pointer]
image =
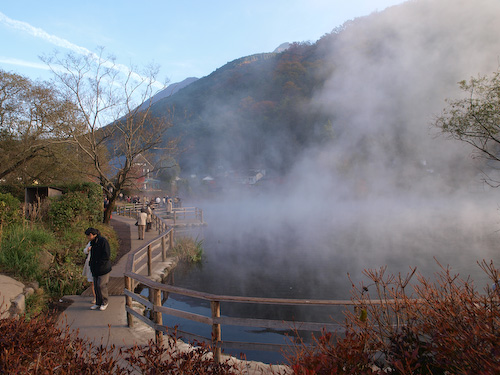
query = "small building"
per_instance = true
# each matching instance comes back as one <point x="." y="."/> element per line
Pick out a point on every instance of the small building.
<point x="35" y="194"/>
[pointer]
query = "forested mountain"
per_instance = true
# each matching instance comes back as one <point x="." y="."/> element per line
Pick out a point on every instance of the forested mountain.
<point x="251" y="112"/>
<point x="361" y="99"/>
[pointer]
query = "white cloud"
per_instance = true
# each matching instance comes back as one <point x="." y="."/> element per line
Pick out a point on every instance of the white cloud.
<point x="57" y="41"/>
<point x="41" y="34"/>
<point x="18" y="62"/>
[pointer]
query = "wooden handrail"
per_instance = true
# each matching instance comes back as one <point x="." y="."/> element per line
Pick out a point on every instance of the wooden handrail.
<point x="157" y="248"/>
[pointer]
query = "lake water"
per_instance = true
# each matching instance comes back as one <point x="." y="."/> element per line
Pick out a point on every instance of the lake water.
<point x="254" y="247"/>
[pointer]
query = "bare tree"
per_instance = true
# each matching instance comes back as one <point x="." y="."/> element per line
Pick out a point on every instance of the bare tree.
<point x="475" y="118"/>
<point x="111" y="128"/>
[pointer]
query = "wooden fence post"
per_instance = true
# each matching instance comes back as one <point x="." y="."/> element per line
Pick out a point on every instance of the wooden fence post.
<point x="150" y="260"/>
<point x="163" y="249"/>
<point x="158" y="319"/>
<point x="128" y="301"/>
<point x="216" y="331"/>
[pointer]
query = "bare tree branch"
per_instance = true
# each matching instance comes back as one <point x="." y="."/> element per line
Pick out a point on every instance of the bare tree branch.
<point x="112" y="125"/>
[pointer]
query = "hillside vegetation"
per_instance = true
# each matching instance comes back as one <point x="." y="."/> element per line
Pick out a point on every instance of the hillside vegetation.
<point x="251" y="104"/>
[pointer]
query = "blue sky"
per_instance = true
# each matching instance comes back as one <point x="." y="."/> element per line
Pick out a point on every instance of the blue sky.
<point x="188" y="38"/>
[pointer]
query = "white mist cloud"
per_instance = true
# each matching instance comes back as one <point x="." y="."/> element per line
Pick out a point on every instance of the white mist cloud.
<point x="387" y="190"/>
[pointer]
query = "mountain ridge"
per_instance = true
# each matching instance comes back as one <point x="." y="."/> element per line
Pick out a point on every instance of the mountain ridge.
<point x="351" y="92"/>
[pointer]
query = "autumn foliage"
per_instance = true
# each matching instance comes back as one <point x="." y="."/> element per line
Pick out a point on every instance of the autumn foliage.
<point x="37" y="346"/>
<point x="440" y="327"/>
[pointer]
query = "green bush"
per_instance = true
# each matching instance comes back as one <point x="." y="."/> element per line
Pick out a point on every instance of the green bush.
<point x="36" y="304"/>
<point x="67" y="209"/>
<point x="20" y="255"/>
<point x="80" y="203"/>
<point x="50" y="251"/>
<point x="17" y="191"/>
<point x="10" y="209"/>
<point x="73" y="240"/>
<point x="63" y="278"/>
<point x="94" y="200"/>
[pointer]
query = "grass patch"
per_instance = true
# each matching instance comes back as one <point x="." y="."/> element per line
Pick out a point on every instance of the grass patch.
<point x="36" y="303"/>
<point x="188" y="249"/>
<point x="21" y="250"/>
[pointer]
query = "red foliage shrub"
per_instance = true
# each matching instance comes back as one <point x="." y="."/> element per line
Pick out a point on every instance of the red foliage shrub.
<point x="334" y="355"/>
<point x="37" y="346"/>
<point x="442" y="327"/>
<point x="167" y="359"/>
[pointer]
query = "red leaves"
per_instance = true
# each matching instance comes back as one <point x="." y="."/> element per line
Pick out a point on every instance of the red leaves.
<point x="36" y="346"/>
<point x="445" y="326"/>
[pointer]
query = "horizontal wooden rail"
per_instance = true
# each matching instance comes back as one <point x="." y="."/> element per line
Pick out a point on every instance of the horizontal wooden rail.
<point x="146" y="256"/>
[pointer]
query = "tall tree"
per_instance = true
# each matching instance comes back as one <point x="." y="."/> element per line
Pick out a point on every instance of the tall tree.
<point x="33" y="118"/>
<point x="475" y="118"/>
<point x="111" y="123"/>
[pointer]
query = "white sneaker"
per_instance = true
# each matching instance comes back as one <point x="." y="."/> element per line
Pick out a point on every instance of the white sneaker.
<point x="103" y="307"/>
<point x="94" y="307"/>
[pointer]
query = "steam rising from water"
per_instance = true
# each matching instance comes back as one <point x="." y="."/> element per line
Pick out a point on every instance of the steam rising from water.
<point x="387" y="190"/>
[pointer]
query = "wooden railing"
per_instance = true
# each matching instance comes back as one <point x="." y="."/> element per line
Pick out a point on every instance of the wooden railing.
<point x="187" y="215"/>
<point x="140" y="265"/>
<point x="216" y="320"/>
<point x="184" y="216"/>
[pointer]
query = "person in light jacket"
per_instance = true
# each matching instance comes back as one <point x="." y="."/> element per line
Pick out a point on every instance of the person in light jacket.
<point x="100" y="266"/>
<point x="86" y="269"/>
<point x="149" y="220"/>
<point x="141" y="223"/>
<point x="169" y="207"/>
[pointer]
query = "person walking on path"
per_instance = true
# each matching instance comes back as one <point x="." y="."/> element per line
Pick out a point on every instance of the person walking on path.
<point x="100" y="266"/>
<point x="141" y="223"/>
<point x="169" y="206"/>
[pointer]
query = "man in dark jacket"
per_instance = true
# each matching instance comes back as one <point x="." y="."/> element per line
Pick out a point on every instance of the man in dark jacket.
<point x="100" y="266"/>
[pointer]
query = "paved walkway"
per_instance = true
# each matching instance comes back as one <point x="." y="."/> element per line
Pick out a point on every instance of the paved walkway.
<point x="110" y="326"/>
